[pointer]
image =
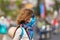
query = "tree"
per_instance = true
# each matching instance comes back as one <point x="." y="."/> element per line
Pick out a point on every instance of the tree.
<point x="4" y="7"/>
<point x="57" y="4"/>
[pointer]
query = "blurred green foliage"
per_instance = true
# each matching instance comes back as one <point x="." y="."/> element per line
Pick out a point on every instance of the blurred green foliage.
<point x="4" y="5"/>
<point x="57" y="5"/>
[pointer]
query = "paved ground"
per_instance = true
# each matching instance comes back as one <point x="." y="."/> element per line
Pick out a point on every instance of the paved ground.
<point x="56" y="37"/>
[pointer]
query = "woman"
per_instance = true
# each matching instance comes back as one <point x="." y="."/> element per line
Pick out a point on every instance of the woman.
<point x="22" y="20"/>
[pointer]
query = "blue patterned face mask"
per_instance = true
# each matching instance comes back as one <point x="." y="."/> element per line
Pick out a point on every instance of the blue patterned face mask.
<point x="31" y="22"/>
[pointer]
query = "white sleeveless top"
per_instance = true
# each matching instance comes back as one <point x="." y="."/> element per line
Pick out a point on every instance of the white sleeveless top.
<point x="17" y="35"/>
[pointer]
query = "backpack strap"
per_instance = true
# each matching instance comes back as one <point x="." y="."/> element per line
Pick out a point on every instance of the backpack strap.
<point x="26" y="30"/>
<point x="28" y="34"/>
<point x="16" y="30"/>
<point x="22" y="33"/>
